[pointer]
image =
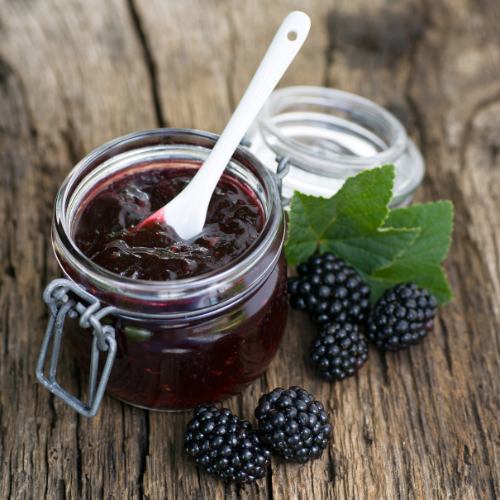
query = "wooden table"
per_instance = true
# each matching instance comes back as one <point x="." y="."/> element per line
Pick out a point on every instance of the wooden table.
<point x="421" y="424"/>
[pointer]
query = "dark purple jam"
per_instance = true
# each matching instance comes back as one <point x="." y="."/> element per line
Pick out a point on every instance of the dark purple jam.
<point x="181" y="362"/>
<point x="105" y="230"/>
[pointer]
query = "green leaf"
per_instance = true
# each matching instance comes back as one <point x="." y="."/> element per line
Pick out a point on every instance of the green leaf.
<point x="421" y="261"/>
<point x="385" y="247"/>
<point x="349" y="224"/>
<point x="360" y="205"/>
<point x="346" y="221"/>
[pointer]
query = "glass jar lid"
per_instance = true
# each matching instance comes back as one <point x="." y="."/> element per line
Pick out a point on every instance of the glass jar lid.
<point x="331" y="135"/>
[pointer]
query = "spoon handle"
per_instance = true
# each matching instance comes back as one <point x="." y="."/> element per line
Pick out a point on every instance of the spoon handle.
<point x="187" y="212"/>
<point x="284" y="47"/>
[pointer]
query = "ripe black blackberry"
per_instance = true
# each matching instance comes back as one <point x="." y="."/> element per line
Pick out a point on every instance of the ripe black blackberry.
<point x="293" y="424"/>
<point x="329" y="291"/>
<point x="339" y="350"/>
<point x="401" y="317"/>
<point x="226" y="446"/>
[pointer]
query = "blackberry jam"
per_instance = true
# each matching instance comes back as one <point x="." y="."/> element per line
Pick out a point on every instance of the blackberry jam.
<point x="105" y="230"/>
<point x="194" y="321"/>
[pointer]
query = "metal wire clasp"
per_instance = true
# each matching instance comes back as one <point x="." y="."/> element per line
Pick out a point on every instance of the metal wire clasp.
<point x="282" y="171"/>
<point x="60" y="305"/>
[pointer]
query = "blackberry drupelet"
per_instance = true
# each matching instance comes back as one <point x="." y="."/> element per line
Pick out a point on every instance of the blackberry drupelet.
<point x="329" y="291"/>
<point x="339" y="350"/>
<point x="226" y="446"/>
<point x="401" y="317"/>
<point x="293" y="424"/>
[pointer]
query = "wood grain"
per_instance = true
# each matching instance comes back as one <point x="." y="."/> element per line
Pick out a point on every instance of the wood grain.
<point x="73" y="75"/>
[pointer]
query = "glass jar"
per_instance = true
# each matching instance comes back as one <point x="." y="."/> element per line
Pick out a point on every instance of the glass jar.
<point x="189" y="341"/>
<point x="330" y="135"/>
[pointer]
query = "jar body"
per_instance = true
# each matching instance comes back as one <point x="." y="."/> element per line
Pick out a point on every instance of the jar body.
<point x="174" y="364"/>
<point x="184" y="342"/>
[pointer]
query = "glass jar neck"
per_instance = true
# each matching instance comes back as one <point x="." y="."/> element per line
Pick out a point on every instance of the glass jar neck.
<point x="167" y="299"/>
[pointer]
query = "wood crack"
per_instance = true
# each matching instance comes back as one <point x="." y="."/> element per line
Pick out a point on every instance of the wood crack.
<point x="47" y="475"/>
<point x="269" y="483"/>
<point x="385" y="369"/>
<point x="485" y="458"/>
<point x="150" y="63"/>
<point x="415" y="43"/>
<point x="421" y="430"/>
<point x="143" y="453"/>
<point x="446" y="336"/>
<point x="464" y="142"/>
<point x="6" y="332"/>
<point x="79" y="459"/>
<point x="331" y="47"/>
<point x="233" y="38"/>
<point x="6" y="71"/>
<point x="227" y="491"/>
<point x="69" y="136"/>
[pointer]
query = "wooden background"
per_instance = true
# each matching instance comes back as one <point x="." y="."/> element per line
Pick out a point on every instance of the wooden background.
<point x="74" y="74"/>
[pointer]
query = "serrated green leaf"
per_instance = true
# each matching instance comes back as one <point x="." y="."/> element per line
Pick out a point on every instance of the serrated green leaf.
<point x="359" y="207"/>
<point x="436" y="222"/>
<point x="421" y="261"/>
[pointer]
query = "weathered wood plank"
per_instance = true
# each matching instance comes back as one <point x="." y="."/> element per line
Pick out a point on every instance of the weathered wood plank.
<point x="72" y="77"/>
<point x="419" y="424"/>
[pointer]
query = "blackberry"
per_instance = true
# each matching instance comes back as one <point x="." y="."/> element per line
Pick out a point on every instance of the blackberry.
<point x="339" y="350"/>
<point x="329" y="291"/>
<point x="293" y="424"/>
<point x="226" y="446"/>
<point x="401" y="317"/>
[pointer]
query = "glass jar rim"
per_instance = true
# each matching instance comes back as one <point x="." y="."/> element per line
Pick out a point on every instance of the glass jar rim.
<point x="304" y="156"/>
<point x="167" y="292"/>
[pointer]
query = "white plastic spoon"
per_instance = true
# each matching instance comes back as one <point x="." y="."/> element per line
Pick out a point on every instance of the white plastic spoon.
<point x="187" y="212"/>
